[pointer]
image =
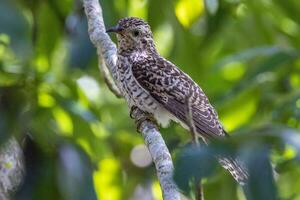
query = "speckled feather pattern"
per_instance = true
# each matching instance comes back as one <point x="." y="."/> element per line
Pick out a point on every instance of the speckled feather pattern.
<point x="157" y="86"/>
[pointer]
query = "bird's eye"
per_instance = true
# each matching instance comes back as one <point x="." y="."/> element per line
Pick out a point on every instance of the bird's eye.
<point x="136" y="33"/>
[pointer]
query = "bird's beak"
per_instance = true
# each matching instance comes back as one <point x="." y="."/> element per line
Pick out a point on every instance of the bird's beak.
<point x="114" y="29"/>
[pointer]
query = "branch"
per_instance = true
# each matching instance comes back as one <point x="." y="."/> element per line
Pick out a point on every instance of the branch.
<point x="105" y="47"/>
<point x="12" y="167"/>
<point x="107" y="50"/>
<point x="104" y="71"/>
<point x="159" y="153"/>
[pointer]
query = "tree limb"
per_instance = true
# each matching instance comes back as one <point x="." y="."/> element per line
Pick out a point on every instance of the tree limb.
<point x="12" y="167"/>
<point x="107" y="50"/>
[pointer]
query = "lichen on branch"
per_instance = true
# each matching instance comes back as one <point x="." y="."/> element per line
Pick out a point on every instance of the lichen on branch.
<point x="107" y="51"/>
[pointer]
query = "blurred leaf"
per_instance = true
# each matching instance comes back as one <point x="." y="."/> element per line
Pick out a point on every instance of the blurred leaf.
<point x="191" y="165"/>
<point x="256" y="74"/>
<point x="106" y="179"/>
<point x="164" y="36"/>
<point x="233" y="71"/>
<point x="75" y="174"/>
<point x="249" y="54"/>
<point x="48" y="22"/>
<point x="13" y="102"/>
<point x="245" y="55"/>
<point x="261" y="184"/>
<point x="157" y="191"/>
<point x="290" y="7"/>
<point x="14" y="24"/>
<point x="63" y="121"/>
<point x="40" y="177"/>
<point x="138" y="8"/>
<point x="187" y="11"/>
<point x="276" y="61"/>
<point x="245" y="107"/>
<point x="253" y="148"/>
<point x="291" y="137"/>
<point x="212" y="6"/>
<point x="81" y="50"/>
<point x="227" y="188"/>
<point x="8" y="79"/>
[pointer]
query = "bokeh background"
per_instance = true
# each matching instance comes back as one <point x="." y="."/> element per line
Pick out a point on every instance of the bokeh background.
<point x="77" y="137"/>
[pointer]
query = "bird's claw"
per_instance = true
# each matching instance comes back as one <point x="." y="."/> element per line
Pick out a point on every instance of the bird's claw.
<point x="132" y="110"/>
<point x="139" y="122"/>
<point x="148" y="118"/>
<point x="141" y="117"/>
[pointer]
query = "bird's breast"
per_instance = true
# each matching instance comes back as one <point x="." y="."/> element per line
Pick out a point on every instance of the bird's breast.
<point x="134" y="94"/>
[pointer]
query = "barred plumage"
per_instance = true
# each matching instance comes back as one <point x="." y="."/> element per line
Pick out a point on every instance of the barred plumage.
<point x="157" y="86"/>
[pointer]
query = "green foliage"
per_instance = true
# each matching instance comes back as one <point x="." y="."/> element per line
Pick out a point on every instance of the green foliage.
<point x="76" y="134"/>
<point x="254" y="148"/>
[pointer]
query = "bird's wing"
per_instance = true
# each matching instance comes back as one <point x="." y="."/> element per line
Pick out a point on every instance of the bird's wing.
<point x="178" y="94"/>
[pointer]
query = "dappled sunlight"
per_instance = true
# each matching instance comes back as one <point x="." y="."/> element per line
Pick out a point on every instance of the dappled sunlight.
<point x="99" y="130"/>
<point x="106" y="179"/>
<point x="164" y="38"/>
<point x="63" y="121"/>
<point x="295" y="80"/>
<point x="46" y="100"/>
<point x="138" y="8"/>
<point x="78" y="139"/>
<point x="290" y="152"/>
<point x="233" y="71"/>
<point x="90" y="88"/>
<point x="289" y="26"/>
<point x="188" y="11"/>
<point x="85" y="145"/>
<point x="42" y="64"/>
<point x="240" y="114"/>
<point x="156" y="191"/>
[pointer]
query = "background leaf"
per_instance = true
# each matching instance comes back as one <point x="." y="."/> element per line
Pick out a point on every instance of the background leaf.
<point x="212" y="6"/>
<point x="244" y="55"/>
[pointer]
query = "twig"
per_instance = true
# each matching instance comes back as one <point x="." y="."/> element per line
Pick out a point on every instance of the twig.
<point x="104" y="71"/>
<point x="199" y="190"/>
<point x="107" y="50"/>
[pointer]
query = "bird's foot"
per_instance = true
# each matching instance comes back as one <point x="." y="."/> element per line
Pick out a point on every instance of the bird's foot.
<point x="146" y="117"/>
<point x="140" y="121"/>
<point x="139" y="116"/>
<point x="132" y="114"/>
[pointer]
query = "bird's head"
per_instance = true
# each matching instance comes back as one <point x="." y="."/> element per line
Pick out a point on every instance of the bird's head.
<point x="133" y="34"/>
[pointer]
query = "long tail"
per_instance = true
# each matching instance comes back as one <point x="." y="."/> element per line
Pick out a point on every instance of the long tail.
<point x="236" y="168"/>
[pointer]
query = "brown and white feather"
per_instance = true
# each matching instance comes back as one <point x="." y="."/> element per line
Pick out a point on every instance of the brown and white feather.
<point x="157" y="86"/>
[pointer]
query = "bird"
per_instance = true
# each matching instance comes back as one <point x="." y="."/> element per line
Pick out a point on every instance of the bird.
<point x="156" y="86"/>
